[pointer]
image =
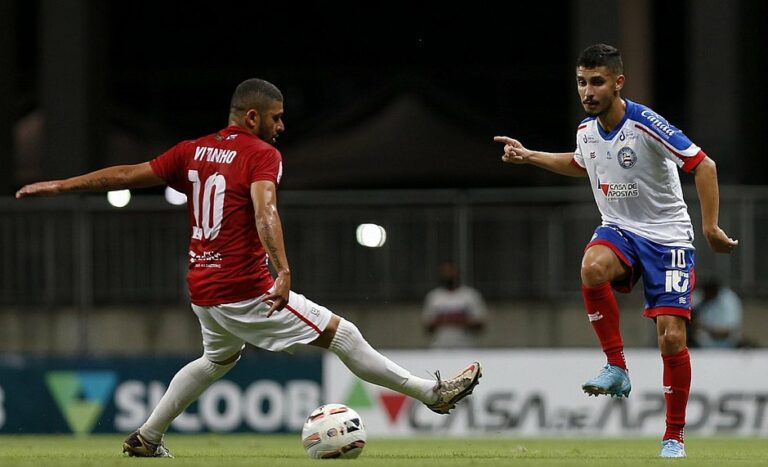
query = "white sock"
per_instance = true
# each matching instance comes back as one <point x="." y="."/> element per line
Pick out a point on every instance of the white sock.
<point x="184" y="389"/>
<point x="371" y="366"/>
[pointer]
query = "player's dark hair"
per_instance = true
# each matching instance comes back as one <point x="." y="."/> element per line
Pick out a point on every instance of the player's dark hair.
<point x="254" y="93"/>
<point x="601" y="55"/>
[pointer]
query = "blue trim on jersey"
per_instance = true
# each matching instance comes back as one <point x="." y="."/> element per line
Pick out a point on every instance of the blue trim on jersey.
<point x="658" y="125"/>
<point x="586" y="120"/>
<point x="609" y="136"/>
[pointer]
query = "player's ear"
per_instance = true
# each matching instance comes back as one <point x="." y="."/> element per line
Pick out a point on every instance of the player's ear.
<point x="619" y="83"/>
<point x="253" y="118"/>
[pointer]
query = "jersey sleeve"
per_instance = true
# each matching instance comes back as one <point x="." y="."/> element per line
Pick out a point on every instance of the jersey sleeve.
<point x="167" y="165"/>
<point x="268" y="165"/>
<point x="668" y="141"/>
<point x="578" y="157"/>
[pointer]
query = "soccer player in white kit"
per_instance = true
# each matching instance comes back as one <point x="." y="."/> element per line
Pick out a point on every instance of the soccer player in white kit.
<point x="632" y="156"/>
<point x="230" y="178"/>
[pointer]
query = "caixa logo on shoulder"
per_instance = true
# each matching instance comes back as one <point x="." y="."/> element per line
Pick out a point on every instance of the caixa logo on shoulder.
<point x="88" y="399"/>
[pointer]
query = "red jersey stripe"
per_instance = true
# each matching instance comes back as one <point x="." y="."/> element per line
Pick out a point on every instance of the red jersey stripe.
<point x="303" y="318"/>
<point x="692" y="162"/>
<point x="576" y="164"/>
<point x="689" y="163"/>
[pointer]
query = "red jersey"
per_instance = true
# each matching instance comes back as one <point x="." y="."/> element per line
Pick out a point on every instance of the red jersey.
<point x="227" y="262"/>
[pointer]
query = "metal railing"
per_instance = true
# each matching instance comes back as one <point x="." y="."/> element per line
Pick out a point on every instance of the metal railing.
<point x="510" y="243"/>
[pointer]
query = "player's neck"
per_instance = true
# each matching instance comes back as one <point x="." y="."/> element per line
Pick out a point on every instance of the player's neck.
<point x="613" y="116"/>
<point x="240" y="123"/>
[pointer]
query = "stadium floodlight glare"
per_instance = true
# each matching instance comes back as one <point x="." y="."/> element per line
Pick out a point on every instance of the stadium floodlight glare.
<point x="371" y="235"/>
<point x="119" y="198"/>
<point x="175" y="197"/>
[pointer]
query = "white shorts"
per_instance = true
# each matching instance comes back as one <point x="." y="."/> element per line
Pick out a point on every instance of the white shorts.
<point x="226" y="328"/>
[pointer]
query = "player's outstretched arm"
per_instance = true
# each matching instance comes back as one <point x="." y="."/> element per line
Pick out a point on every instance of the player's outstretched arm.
<point x="264" y="197"/>
<point x="560" y="163"/>
<point x="709" y="198"/>
<point x="118" y="177"/>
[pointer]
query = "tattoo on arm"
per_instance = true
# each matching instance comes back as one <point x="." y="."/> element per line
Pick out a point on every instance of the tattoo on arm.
<point x="268" y="239"/>
<point x="102" y="182"/>
<point x="107" y="179"/>
<point x="270" y="244"/>
<point x="96" y="184"/>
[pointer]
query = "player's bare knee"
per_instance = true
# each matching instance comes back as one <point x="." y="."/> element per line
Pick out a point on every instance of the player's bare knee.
<point x="594" y="272"/>
<point x="671" y="341"/>
<point x="326" y="337"/>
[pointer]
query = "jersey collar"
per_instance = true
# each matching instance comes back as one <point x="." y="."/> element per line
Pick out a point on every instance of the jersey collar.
<point x="609" y="136"/>
<point x="236" y="129"/>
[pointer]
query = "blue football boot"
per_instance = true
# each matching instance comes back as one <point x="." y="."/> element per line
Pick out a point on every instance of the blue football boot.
<point x="612" y="381"/>
<point x="672" y="448"/>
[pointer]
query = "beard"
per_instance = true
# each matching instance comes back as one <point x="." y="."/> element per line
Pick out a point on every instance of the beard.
<point x="592" y="111"/>
<point x="595" y="111"/>
<point x="267" y="136"/>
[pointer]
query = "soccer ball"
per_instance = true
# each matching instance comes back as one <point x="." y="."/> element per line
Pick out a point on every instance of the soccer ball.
<point x="333" y="431"/>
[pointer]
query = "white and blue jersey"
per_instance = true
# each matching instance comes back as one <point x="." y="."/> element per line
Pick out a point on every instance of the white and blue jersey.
<point x="633" y="171"/>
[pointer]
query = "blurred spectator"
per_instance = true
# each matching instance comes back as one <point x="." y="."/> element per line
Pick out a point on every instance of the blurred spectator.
<point x="717" y="316"/>
<point x="454" y="314"/>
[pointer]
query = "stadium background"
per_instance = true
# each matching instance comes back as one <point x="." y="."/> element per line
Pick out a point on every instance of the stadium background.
<point x="390" y="111"/>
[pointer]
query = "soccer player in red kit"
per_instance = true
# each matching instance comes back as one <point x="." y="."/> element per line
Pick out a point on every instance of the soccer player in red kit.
<point x="230" y="179"/>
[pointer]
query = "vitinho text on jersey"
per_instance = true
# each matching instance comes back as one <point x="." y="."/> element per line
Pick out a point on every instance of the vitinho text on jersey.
<point x="222" y="156"/>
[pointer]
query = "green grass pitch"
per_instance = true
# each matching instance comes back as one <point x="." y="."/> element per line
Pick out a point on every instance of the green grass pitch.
<point x="286" y="450"/>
